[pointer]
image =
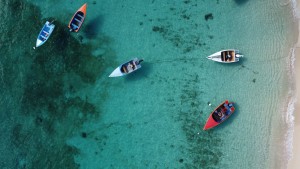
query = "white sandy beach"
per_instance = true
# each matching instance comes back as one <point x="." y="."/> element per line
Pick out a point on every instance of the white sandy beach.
<point x="294" y="163"/>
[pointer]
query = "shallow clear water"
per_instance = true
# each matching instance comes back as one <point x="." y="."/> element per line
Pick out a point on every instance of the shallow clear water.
<point x="60" y="109"/>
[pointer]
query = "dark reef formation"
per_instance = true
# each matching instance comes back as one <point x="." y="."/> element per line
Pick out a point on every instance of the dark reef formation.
<point x="54" y="74"/>
<point x="208" y="16"/>
<point x="199" y="152"/>
<point x="204" y="147"/>
<point x="57" y="71"/>
<point x="187" y="35"/>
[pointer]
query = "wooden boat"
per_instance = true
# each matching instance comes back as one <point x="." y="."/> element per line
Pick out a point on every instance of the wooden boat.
<point x="226" y="56"/>
<point x="219" y="115"/>
<point x="78" y="18"/>
<point x="44" y="34"/>
<point x="127" y="68"/>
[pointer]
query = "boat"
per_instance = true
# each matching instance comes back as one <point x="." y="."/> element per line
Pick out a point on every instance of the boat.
<point x="219" y="115"/>
<point x="226" y="56"/>
<point x="127" y="68"/>
<point x="44" y="34"/>
<point x="78" y="18"/>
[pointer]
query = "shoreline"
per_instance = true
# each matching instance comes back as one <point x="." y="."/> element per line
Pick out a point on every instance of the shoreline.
<point x="294" y="162"/>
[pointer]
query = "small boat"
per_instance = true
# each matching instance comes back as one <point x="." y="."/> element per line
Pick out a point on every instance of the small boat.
<point x="78" y="18"/>
<point x="226" y="56"/>
<point x="127" y="68"/>
<point x="44" y="34"/>
<point x="220" y="114"/>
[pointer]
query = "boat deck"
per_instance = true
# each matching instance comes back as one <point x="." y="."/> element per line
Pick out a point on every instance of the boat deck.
<point x="44" y="33"/>
<point x="228" y="56"/>
<point x="222" y="112"/>
<point x="77" y="20"/>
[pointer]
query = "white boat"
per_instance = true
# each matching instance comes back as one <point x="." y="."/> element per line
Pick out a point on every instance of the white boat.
<point x="127" y="68"/>
<point x="44" y="34"/>
<point x="226" y="56"/>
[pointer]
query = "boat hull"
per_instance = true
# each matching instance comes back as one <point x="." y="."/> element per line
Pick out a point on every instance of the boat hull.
<point x="78" y="18"/>
<point x="219" y="115"/>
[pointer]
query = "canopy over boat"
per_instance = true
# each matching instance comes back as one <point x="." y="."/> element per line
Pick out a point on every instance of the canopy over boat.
<point x="78" y="18"/>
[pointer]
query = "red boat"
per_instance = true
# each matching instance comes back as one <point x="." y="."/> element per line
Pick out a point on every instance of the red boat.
<point x="220" y="114"/>
<point x="78" y="19"/>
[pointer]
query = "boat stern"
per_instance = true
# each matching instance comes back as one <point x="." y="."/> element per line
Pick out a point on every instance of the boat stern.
<point x="238" y="54"/>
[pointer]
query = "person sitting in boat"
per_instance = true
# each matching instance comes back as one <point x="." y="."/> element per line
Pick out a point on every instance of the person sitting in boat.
<point x="133" y="65"/>
<point x="228" y="57"/>
<point x="221" y="114"/>
<point x="130" y="67"/>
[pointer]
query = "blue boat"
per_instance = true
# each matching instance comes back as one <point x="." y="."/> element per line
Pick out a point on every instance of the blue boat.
<point x="44" y="34"/>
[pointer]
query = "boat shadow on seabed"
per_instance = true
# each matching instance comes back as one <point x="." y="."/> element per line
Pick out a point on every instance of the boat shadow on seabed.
<point x="240" y="62"/>
<point x="140" y="74"/>
<point x="93" y="27"/>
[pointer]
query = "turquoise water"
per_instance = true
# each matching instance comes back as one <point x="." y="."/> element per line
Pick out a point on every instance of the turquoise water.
<point x="59" y="109"/>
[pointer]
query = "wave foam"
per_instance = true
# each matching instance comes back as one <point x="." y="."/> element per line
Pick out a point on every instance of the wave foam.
<point x="296" y="13"/>
<point x="289" y="118"/>
<point x="292" y="97"/>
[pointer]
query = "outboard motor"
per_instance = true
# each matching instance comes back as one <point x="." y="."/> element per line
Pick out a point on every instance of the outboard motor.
<point x="239" y="55"/>
<point x="139" y="61"/>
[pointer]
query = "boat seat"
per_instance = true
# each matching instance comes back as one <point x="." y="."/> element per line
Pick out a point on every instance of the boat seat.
<point x="79" y="15"/>
<point x="42" y="38"/>
<point x="233" y="56"/>
<point x="46" y="28"/>
<point x="77" y="20"/>
<point x="124" y="69"/>
<point x="223" y="56"/>
<point x="74" y="26"/>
